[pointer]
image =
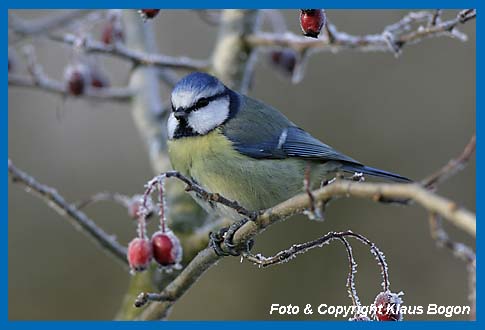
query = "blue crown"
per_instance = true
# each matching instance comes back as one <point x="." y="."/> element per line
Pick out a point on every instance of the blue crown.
<point x="197" y="81"/>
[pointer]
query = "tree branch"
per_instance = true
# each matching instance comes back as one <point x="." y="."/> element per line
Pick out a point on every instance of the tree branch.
<point x="460" y="251"/>
<point x="392" y="39"/>
<point x="44" y="24"/>
<point x="231" y="59"/>
<point x="136" y="56"/>
<point x="452" y="167"/>
<point x="460" y="217"/>
<point x="47" y="84"/>
<point x="78" y="219"/>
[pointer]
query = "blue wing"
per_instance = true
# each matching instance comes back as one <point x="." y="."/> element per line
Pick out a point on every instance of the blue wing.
<point x="261" y="132"/>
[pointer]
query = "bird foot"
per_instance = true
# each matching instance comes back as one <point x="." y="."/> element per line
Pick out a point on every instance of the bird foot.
<point x="222" y="240"/>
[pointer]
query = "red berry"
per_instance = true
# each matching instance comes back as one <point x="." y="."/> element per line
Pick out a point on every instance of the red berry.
<point x="148" y="13"/>
<point x="99" y="78"/>
<point x="166" y="247"/>
<point x="112" y="31"/>
<point x="77" y="78"/>
<point x="139" y="254"/>
<point x="312" y="21"/>
<point x="388" y="306"/>
<point x="284" y="60"/>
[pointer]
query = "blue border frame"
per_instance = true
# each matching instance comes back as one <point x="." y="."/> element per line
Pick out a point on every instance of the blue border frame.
<point x="370" y="4"/>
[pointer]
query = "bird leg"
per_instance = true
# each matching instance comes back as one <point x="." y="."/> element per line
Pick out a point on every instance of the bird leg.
<point x="222" y="240"/>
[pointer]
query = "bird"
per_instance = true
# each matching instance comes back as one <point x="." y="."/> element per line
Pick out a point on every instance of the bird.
<point x="234" y="145"/>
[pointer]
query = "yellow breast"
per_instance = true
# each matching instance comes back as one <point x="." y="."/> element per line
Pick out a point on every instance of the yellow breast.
<point x="212" y="161"/>
<point x="185" y="153"/>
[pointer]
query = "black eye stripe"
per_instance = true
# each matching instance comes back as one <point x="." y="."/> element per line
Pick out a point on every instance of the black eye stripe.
<point x="207" y="99"/>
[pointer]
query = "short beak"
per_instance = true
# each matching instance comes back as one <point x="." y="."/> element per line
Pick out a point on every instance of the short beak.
<point x="180" y="114"/>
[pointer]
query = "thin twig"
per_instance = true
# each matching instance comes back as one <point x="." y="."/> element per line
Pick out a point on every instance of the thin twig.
<point x="211" y="197"/>
<point x="137" y="57"/>
<point x="286" y="255"/>
<point x="460" y="251"/>
<point x="452" y="167"/>
<point x="352" y="291"/>
<point x="117" y="198"/>
<point x="47" y="84"/>
<point x="44" y="24"/>
<point x="79" y="219"/>
<point x="40" y="80"/>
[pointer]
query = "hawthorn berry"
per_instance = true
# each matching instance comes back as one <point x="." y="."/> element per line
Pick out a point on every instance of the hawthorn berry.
<point x="284" y="60"/>
<point x="139" y="254"/>
<point x="388" y="306"/>
<point x="77" y="78"/>
<point x="312" y="21"/>
<point x="166" y="247"/>
<point x="112" y="30"/>
<point x="148" y="13"/>
<point x="99" y="79"/>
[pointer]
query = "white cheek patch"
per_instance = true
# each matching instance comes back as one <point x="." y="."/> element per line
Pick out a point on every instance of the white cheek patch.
<point x="172" y="125"/>
<point x="209" y="117"/>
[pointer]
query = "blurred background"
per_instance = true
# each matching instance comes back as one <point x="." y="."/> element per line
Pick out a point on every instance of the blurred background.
<point x="408" y="115"/>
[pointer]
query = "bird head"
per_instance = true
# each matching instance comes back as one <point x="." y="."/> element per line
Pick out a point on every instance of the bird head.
<point x="200" y="103"/>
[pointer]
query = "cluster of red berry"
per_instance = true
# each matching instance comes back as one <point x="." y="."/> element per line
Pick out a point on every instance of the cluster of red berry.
<point x="164" y="247"/>
<point x="81" y="75"/>
<point x="311" y="22"/>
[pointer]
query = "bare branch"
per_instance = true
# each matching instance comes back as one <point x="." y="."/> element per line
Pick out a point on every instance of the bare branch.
<point x="460" y="251"/>
<point x="232" y="60"/>
<point x="137" y="57"/>
<point x="44" y="24"/>
<point x="47" y="84"/>
<point x="392" y="39"/>
<point x="461" y="218"/>
<point x="211" y="197"/>
<point x="117" y="198"/>
<point x="40" y="80"/>
<point x="452" y="167"/>
<point x="79" y="219"/>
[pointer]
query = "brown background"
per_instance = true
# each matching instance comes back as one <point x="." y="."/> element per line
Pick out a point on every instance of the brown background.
<point x="409" y="115"/>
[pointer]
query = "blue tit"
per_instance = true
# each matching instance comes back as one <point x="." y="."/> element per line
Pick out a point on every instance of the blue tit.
<point x="246" y="150"/>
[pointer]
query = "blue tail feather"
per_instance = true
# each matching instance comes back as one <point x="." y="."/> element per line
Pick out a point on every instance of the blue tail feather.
<point x="353" y="168"/>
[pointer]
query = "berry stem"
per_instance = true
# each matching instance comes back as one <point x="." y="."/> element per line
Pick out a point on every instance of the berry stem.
<point x="161" y="202"/>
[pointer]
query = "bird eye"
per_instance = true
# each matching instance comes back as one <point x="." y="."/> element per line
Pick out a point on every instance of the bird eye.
<point x="202" y="103"/>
